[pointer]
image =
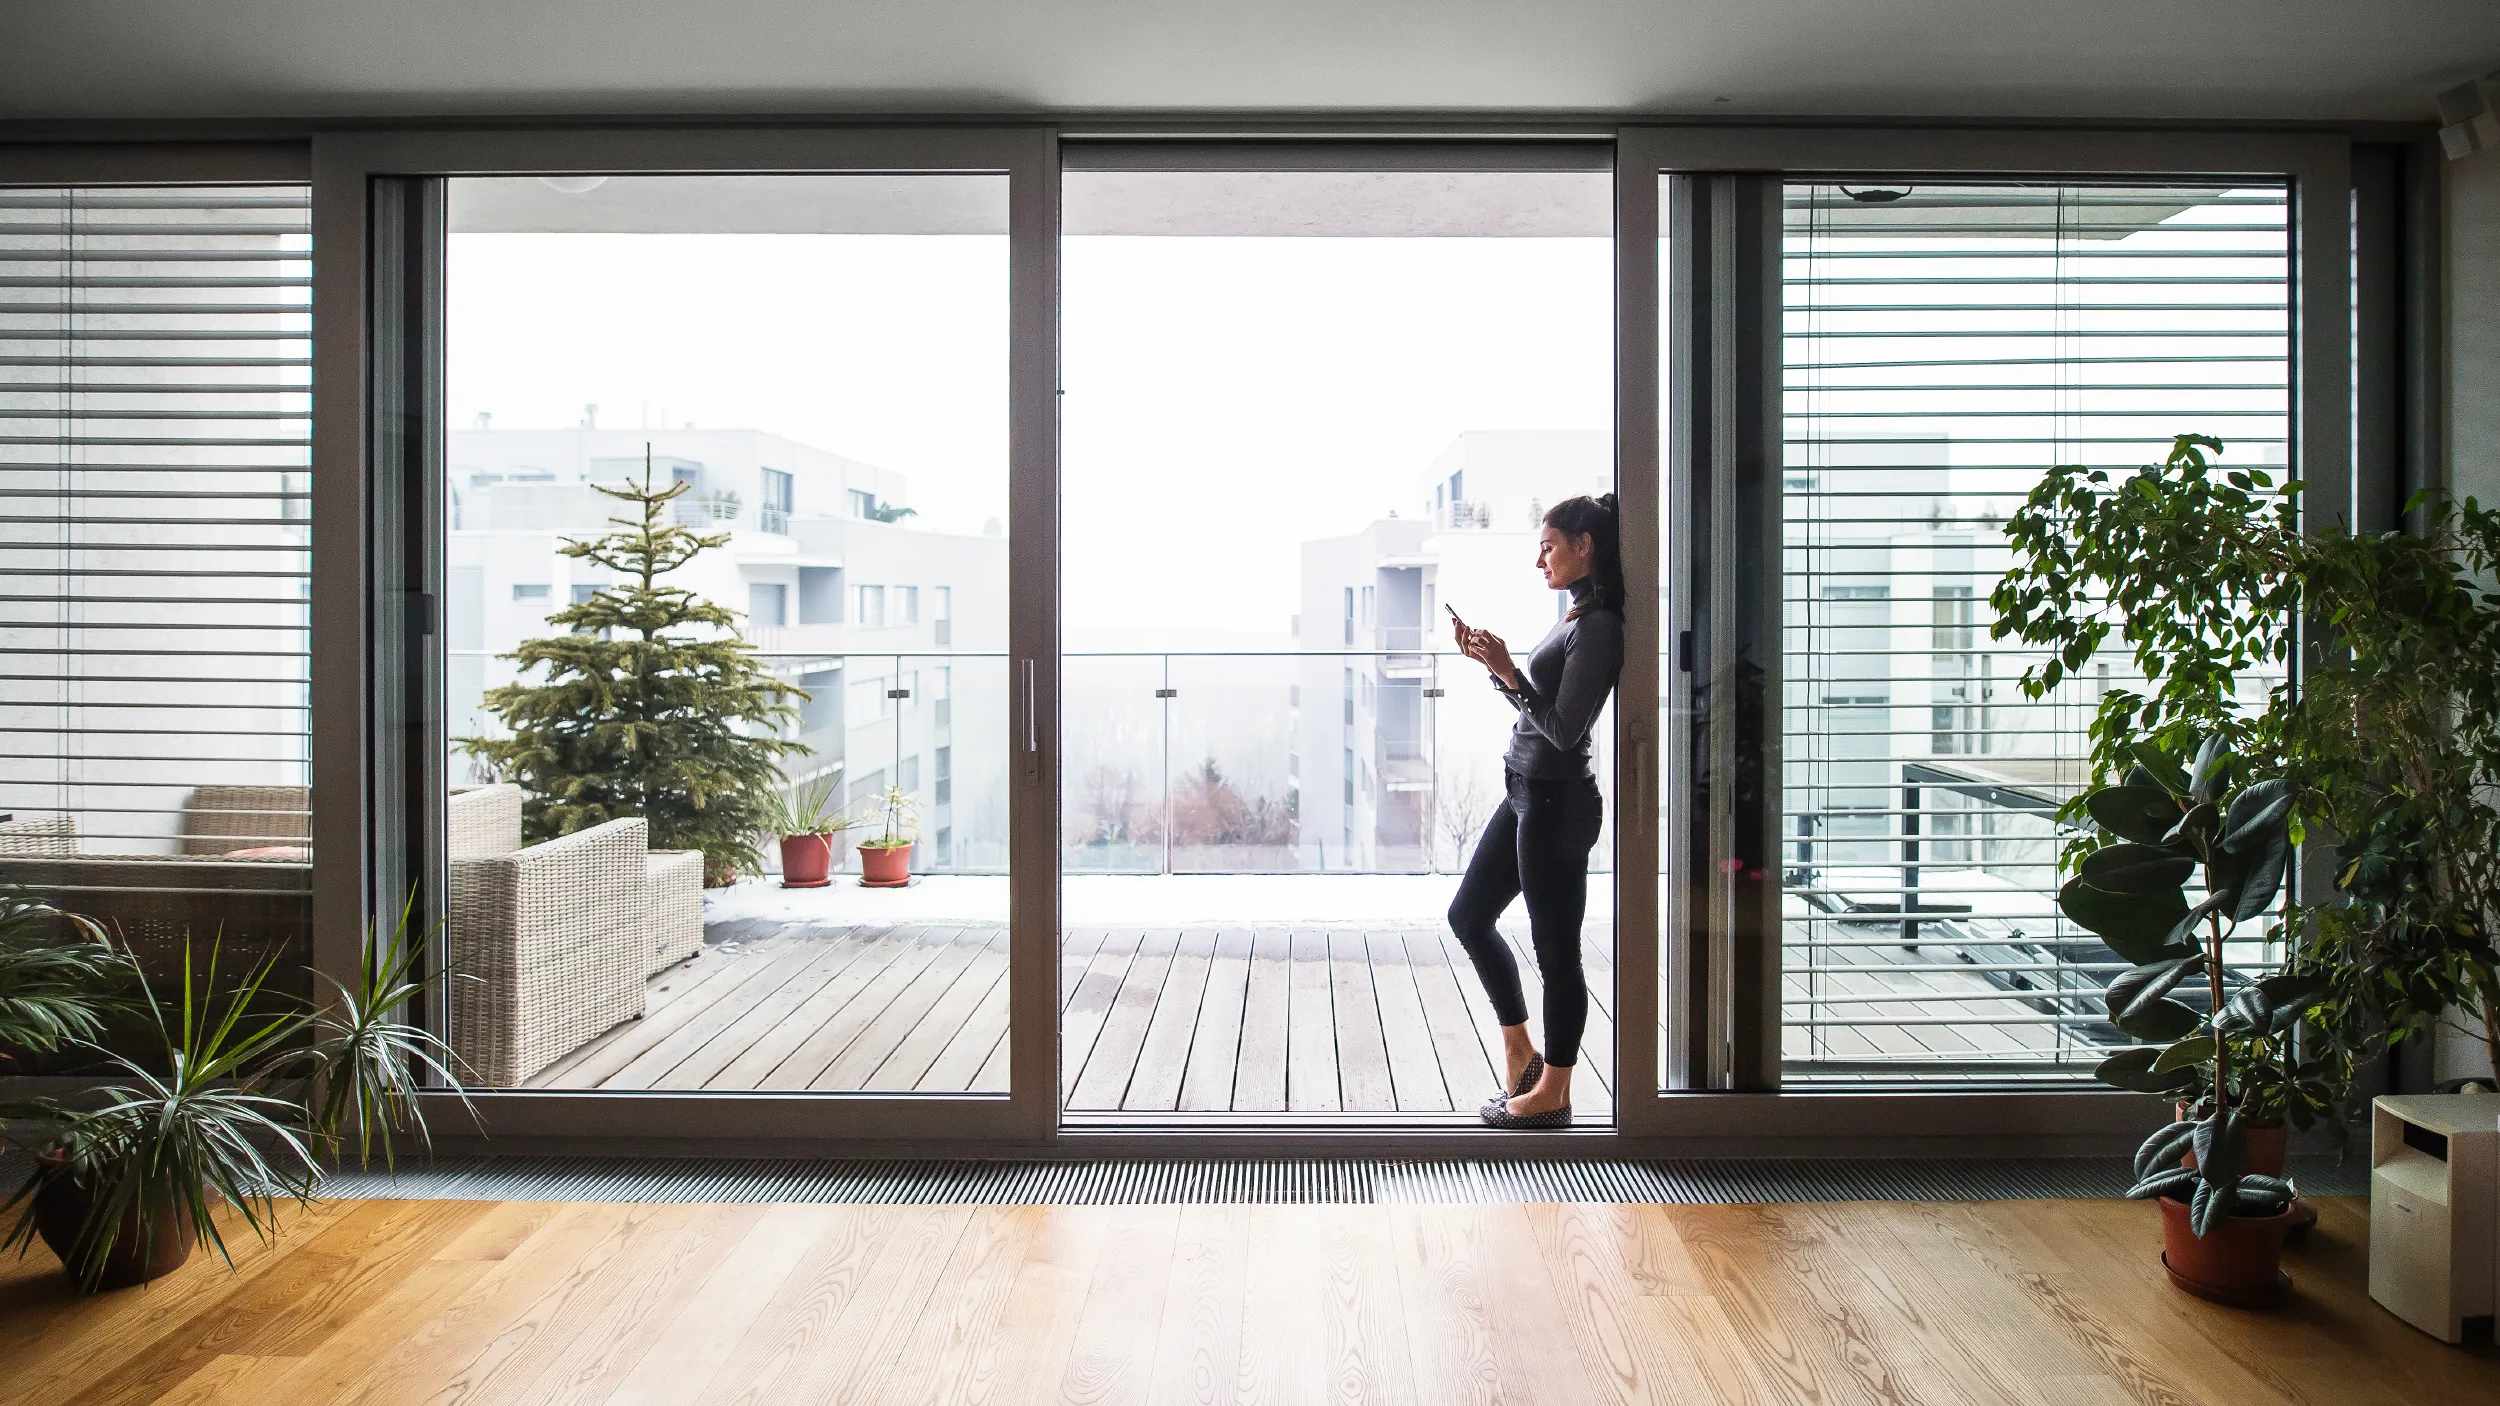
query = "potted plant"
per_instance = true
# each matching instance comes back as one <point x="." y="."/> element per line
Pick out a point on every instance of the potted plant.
<point x="236" y="1111"/>
<point x="2223" y="1223"/>
<point x="50" y="984"/>
<point x="885" y="861"/>
<point x="806" y="818"/>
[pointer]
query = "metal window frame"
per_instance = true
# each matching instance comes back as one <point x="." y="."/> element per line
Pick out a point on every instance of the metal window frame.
<point x="343" y="165"/>
<point x="1733" y="514"/>
<point x="376" y="456"/>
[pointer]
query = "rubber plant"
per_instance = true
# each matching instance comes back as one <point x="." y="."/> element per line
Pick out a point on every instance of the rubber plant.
<point x="2166" y="826"/>
<point x="235" y="1110"/>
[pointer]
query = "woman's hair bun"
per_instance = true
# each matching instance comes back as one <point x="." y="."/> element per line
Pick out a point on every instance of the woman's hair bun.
<point x="1607" y="501"/>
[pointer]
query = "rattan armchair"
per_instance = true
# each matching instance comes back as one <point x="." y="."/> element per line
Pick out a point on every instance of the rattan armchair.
<point x="548" y="947"/>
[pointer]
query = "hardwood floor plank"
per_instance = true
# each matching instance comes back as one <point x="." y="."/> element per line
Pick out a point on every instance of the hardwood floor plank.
<point x="1414" y="1062"/>
<point x="1449" y="1297"/>
<point x="1111" y="1349"/>
<point x="1215" y="1044"/>
<point x="1369" y="1356"/>
<point x="1112" y="1064"/>
<point x="1311" y="1028"/>
<point x="1623" y="1353"/>
<point x="1198" y="1350"/>
<point x="1172" y="1027"/>
<point x="1037" y="1324"/>
<point x="717" y="1314"/>
<point x="1260" y="1073"/>
<point x="799" y="1320"/>
<point x="1282" y="1324"/>
<point x="955" y="1353"/>
<point x="2029" y="1303"/>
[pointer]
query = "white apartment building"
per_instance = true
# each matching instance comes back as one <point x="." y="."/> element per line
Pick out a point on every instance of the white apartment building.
<point x="897" y="632"/>
<point x="1398" y="741"/>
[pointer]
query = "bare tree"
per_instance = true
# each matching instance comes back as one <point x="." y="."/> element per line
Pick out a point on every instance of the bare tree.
<point x="1460" y="806"/>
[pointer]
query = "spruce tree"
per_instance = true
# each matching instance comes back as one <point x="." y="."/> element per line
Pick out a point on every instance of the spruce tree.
<point x="648" y="705"/>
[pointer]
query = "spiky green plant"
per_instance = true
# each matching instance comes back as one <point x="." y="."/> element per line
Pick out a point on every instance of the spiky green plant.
<point x="174" y="1146"/>
<point x="367" y="1063"/>
<point x="55" y="989"/>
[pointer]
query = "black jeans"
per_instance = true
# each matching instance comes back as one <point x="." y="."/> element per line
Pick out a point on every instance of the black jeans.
<point x="1537" y="844"/>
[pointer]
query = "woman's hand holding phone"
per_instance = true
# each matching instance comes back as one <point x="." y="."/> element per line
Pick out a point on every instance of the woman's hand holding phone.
<point x="1485" y="647"/>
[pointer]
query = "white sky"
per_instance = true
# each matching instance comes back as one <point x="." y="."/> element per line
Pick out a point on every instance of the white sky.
<point x="1227" y="399"/>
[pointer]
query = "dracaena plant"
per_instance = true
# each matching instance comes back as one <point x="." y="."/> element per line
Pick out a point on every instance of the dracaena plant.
<point x="2226" y="1048"/>
<point x="238" y="1106"/>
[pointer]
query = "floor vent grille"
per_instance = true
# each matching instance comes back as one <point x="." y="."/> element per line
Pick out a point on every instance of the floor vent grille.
<point x="1273" y="1182"/>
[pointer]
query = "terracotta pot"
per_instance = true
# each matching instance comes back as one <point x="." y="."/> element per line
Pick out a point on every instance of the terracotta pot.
<point x="2268" y="1145"/>
<point x="806" y="861"/>
<point x="61" y="1208"/>
<point x="2239" y="1264"/>
<point x="884" y="867"/>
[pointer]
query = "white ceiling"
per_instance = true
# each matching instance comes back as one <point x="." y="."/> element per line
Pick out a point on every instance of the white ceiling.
<point x="1940" y="58"/>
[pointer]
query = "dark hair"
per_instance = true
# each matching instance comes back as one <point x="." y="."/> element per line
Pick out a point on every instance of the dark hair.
<point x="1596" y="519"/>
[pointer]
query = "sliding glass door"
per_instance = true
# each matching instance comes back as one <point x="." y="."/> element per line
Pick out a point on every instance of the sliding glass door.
<point x="716" y="522"/>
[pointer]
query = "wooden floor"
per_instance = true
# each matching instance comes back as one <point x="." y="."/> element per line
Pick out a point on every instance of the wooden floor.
<point x="2035" y="1303"/>
<point x="1188" y="1020"/>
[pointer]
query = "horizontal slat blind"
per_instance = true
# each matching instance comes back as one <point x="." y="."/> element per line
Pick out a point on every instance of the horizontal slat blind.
<point x="155" y="531"/>
<point x="1945" y="344"/>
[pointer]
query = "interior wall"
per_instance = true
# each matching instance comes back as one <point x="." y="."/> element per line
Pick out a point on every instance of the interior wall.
<point x="2472" y="240"/>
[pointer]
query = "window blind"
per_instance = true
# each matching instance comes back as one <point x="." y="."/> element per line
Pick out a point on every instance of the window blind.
<point x="155" y="532"/>
<point x="1944" y="345"/>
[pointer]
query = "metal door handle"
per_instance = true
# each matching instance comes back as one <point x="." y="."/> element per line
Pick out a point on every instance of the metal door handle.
<point x="1032" y="728"/>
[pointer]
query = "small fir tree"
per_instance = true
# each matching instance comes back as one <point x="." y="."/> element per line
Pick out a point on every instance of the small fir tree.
<point x="649" y="704"/>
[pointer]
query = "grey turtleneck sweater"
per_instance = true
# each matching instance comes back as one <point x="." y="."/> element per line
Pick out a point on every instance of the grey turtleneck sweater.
<point x="1565" y="682"/>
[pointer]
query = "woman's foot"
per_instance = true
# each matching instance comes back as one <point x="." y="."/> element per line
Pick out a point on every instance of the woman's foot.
<point x="1496" y="1114"/>
<point x="1524" y="1077"/>
<point x="1550" y="1093"/>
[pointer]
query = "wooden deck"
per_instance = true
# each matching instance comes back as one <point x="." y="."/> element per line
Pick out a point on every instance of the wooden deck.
<point x="1153" y="1020"/>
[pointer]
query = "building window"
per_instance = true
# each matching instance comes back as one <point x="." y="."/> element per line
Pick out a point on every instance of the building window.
<point x="907" y="773"/>
<point x="582" y="594"/>
<point x="773" y="514"/>
<point x="1369" y="605"/>
<point x="942" y="694"/>
<point x="863" y="503"/>
<point x="944" y="605"/>
<point x="907" y="605"/>
<point x="530" y="591"/>
<point x="871" y="607"/>
<point x="1349" y="777"/>
<point x="768" y="604"/>
<point x="865" y="701"/>
<point x="1349" y="617"/>
<point x="942" y="788"/>
<point x="820" y="595"/>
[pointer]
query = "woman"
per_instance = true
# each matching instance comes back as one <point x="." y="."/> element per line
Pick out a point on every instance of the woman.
<point x="1538" y="840"/>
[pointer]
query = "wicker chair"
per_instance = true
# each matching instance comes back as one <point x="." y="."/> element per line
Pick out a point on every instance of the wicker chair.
<point x="486" y="820"/>
<point x="547" y="942"/>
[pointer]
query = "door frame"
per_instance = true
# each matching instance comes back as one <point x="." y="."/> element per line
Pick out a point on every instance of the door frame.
<point x="373" y="736"/>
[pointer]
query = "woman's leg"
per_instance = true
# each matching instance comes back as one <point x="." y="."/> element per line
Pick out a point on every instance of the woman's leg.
<point x="1559" y="824"/>
<point x="1491" y="882"/>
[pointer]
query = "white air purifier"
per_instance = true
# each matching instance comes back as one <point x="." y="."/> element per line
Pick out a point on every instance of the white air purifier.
<point x="2434" y="1178"/>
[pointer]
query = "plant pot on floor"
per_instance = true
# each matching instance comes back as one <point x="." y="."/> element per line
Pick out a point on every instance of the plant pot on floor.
<point x="2269" y="1153"/>
<point x="884" y="866"/>
<point x="61" y="1208"/>
<point x="806" y="861"/>
<point x="2240" y="1264"/>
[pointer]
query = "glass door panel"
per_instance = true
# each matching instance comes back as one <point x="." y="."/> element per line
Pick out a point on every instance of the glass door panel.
<point x="727" y="494"/>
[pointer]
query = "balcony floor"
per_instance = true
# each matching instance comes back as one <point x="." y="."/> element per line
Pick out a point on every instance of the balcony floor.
<point x="1313" y="1018"/>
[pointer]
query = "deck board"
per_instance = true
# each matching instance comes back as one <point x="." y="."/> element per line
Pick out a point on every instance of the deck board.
<point x="1209" y="1019"/>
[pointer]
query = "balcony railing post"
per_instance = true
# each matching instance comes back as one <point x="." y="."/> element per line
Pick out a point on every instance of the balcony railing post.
<point x="1164" y="699"/>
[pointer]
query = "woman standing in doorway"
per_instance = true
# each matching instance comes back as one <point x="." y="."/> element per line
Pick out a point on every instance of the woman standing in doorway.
<point x="1537" y="843"/>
